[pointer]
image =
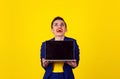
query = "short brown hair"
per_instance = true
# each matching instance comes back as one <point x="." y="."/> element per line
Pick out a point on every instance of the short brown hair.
<point x="58" y="18"/>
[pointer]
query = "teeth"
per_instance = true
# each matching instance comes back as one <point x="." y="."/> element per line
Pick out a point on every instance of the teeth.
<point x="59" y="30"/>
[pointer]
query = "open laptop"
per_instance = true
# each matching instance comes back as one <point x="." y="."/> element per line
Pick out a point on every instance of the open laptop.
<point x="59" y="51"/>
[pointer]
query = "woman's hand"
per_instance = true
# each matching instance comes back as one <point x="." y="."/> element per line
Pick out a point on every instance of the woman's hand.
<point x="45" y="62"/>
<point x="72" y="63"/>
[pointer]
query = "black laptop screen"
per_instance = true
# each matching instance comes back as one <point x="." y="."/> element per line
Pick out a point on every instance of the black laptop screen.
<point x="59" y="50"/>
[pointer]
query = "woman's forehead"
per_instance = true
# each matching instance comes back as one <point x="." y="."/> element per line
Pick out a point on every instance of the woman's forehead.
<point x="58" y="21"/>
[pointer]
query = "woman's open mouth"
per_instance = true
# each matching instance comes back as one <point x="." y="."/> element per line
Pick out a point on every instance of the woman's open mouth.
<point x="59" y="30"/>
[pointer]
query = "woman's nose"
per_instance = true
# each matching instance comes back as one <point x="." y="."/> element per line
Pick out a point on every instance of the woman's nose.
<point x="59" y="26"/>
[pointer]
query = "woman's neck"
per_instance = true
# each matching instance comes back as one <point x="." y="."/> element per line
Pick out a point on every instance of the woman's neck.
<point x="59" y="38"/>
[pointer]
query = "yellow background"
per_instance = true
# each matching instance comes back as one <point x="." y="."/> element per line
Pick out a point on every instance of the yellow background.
<point x="25" y="24"/>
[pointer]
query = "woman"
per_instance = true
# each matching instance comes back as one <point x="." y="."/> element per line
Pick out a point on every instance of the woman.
<point x="59" y="70"/>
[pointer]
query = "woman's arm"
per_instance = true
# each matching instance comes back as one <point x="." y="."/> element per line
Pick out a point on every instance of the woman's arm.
<point x="42" y="56"/>
<point x="72" y="63"/>
<point x="77" y="52"/>
<point x="44" y="62"/>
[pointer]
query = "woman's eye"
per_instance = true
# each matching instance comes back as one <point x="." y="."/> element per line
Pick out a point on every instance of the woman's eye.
<point x="62" y="24"/>
<point x="55" y="24"/>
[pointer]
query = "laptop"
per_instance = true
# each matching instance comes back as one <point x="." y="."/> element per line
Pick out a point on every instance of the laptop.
<point x="59" y="51"/>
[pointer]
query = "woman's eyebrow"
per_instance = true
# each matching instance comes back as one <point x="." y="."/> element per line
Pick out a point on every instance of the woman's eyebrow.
<point x="55" y="23"/>
<point x="62" y="24"/>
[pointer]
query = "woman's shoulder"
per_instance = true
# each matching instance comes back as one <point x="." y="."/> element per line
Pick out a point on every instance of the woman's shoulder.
<point x="52" y="39"/>
<point x="70" y="39"/>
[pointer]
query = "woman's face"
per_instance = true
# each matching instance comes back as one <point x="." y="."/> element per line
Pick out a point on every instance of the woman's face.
<point x="59" y="28"/>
